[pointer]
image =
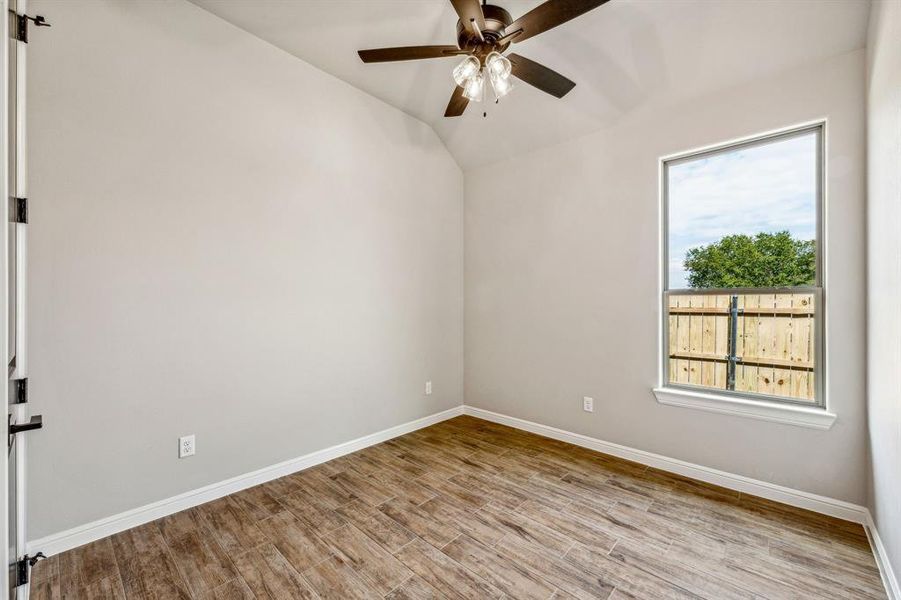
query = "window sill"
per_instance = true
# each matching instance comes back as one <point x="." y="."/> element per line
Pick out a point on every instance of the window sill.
<point x="801" y="416"/>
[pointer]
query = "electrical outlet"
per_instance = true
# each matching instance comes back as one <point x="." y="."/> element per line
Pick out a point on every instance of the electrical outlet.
<point x="428" y="388"/>
<point x="588" y="404"/>
<point x="186" y="446"/>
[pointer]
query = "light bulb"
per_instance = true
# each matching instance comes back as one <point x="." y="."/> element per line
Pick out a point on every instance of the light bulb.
<point x="500" y="85"/>
<point x="466" y="69"/>
<point x="475" y="87"/>
<point x="498" y="65"/>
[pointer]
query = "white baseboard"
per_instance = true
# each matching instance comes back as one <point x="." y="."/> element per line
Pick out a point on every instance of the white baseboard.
<point x="889" y="579"/>
<point x="770" y="491"/>
<point x="83" y="534"/>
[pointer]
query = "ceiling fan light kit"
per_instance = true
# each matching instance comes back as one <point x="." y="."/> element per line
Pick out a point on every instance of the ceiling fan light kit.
<point x="471" y="76"/>
<point x="484" y="33"/>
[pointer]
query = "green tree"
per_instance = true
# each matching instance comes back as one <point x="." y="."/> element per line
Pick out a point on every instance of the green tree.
<point x="765" y="260"/>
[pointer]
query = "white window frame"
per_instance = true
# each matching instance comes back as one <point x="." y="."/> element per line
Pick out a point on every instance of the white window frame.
<point x="749" y="404"/>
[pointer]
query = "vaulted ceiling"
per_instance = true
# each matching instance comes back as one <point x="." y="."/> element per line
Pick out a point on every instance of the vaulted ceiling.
<point x="623" y="56"/>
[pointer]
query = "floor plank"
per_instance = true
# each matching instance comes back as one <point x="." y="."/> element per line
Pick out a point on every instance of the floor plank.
<point x="269" y="575"/>
<point x="380" y="527"/>
<point x="232" y="527"/>
<point x="335" y="579"/>
<point x="295" y="541"/>
<point x="236" y="589"/>
<point x="87" y="564"/>
<point x="415" y="589"/>
<point x="420" y="522"/>
<point x="565" y="575"/>
<point x="375" y="565"/>
<point x="46" y="588"/>
<point x="669" y="569"/>
<point x="443" y="573"/>
<point x="501" y="571"/>
<point x="202" y="562"/>
<point x="108" y="588"/>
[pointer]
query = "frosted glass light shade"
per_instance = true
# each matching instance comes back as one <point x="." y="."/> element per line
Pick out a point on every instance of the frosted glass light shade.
<point x="498" y="66"/>
<point x="466" y="69"/>
<point x="475" y="87"/>
<point x="500" y="85"/>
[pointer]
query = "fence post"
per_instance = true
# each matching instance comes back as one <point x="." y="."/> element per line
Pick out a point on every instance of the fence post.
<point x="733" y="334"/>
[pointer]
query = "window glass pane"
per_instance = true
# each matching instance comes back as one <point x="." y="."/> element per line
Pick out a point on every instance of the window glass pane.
<point x="744" y="217"/>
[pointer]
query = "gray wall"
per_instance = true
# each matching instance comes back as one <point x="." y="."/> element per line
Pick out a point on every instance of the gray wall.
<point x="562" y="283"/>
<point x="884" y="271"/>
<point x="224" y="241"/>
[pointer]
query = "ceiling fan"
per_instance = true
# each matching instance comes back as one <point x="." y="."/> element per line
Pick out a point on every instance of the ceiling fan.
<point x="484" y="33"/>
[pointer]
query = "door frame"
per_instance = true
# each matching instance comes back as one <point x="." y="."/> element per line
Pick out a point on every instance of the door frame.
<point x="17" y="132"/>
<point x="22" y="410"/>
<point x="4" y="189"/>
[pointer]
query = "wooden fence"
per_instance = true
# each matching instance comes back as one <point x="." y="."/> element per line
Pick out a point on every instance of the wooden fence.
<point x="774" y="342"/>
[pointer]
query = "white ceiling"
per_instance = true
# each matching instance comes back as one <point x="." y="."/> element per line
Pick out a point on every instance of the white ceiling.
<point x="623" y="55"/>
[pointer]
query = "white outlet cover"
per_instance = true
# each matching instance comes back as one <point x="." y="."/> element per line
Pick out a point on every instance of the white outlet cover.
<point x="587" y="404"/>
<point x="186" y="446"/>
<point x="428" y="388"/>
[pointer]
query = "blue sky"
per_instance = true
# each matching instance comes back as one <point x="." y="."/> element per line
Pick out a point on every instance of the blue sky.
<point x="763" y="188"/>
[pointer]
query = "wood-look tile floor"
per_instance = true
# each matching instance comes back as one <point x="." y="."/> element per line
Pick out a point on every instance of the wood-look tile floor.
<point x="471" y="509"/>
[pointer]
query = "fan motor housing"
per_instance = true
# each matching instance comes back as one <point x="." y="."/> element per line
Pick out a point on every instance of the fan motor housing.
<point x="496" y="21"/>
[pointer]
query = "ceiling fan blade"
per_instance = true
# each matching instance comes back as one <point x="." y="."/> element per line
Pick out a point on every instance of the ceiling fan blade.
<point x="546" y="80"/>
<point x="408" y="53"/>
<point x="470" y="12"/>
<point x="457" y="104"/>
<point x="549" y="15"/>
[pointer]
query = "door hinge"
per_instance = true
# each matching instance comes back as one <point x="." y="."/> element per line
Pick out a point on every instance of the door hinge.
<point x="18" y="210"/>
<point x="20" y="32"/>
<point x="24" y="564"/>
<point x="21" y="391"/>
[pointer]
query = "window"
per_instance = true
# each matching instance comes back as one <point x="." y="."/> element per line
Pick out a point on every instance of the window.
<point x="742" y="295"/>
